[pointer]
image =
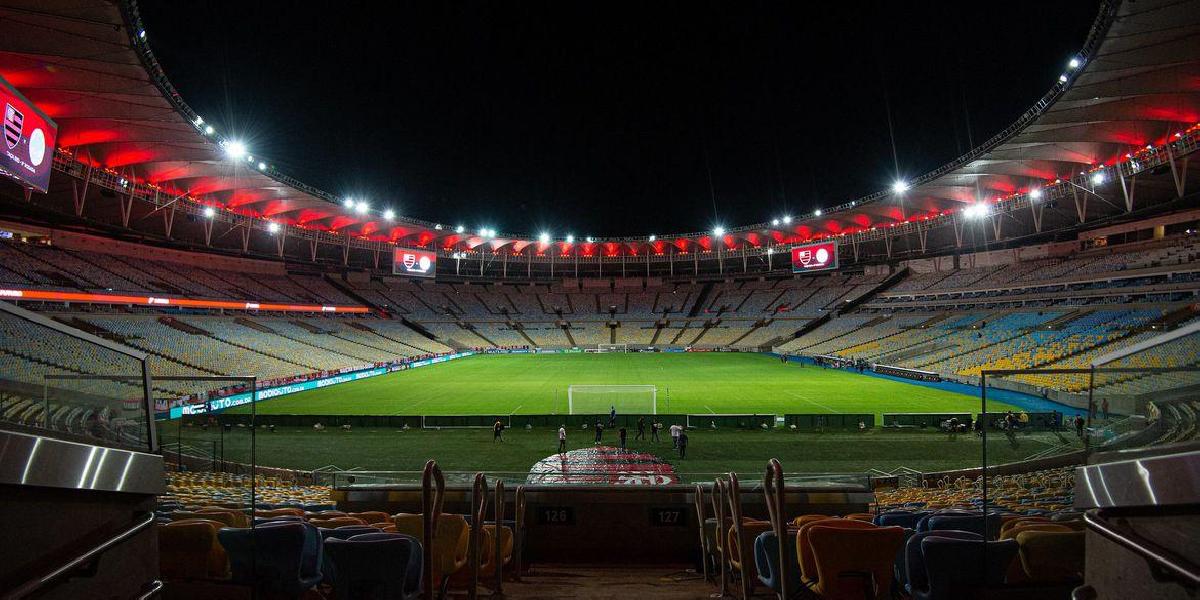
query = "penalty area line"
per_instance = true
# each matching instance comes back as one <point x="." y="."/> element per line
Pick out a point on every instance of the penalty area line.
<point x="805" y="399"/>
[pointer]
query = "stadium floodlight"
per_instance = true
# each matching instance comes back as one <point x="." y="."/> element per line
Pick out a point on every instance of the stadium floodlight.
<point x="653" y="237"/>
<point x="272" y="227"/>
<point x="1035" y="193"/>
<point x="389" y="214"/>
<point x="787" y="220"/>
<point x="590" y="239"/>
<point x="899" y="186"/>
<point x="234" y="149"/>
<point x="209" y="212"/>
<point x="1074" y="64"/>
<point x="977" y="210"/>
<point x="1062" y="78"/>
<point x="262" y="166"/>
<point x="774" y="222"/>
<point x="459" y="229"/>
<point x="361" y="207"/>
<point x="209" y="130"/>
<point x="1098" y="177"/>
<point x="348" y="202"/>
<point x="570" y="238"/>
<point x="544" y="238"/>
<point x="718" y="231"/>
<point x="199" y="121"/>
<point x="817" y="213"/>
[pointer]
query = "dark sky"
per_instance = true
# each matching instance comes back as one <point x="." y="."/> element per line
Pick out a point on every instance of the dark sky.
<point x="606" y="118"/>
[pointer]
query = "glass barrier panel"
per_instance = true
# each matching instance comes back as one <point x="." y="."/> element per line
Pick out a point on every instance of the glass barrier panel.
<point x="56" y="380"/>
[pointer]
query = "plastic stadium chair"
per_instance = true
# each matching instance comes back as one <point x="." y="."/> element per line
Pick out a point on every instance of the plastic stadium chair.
<point x="335" y="522"/>
<point x="973" y="522"/>
<point x="804" y="553"/>
<point x="915" y="577"/>
<point x="376" y="566"/>
<point x="342" y="533"/>
<point x="854" y="563"/>
<point x="450" y="544"/>
<point x="190" y="550"/>
<point x="900" y="518"/>
<point x="1052" y="556"/>
<point x="805" y="519"/>
<point x="770" y="572"/>
<point x="371" y="517"/>
<point x="751" y="529"/>
<point x="228" y="518"/>
<point x="862" y="516"/>
<point x="283" y="558"/>
<point x="955" y="567"/>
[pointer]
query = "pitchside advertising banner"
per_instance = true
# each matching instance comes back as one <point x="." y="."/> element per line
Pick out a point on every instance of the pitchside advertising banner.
<point x="814" y="257"/>
<point x="224" y="402"/>
<point x="29" y="137"/>
<point x="415" y="263"/>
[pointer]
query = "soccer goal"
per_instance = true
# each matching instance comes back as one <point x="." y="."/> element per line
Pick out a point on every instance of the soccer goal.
<point x="612" y="347"/>
<point x="600" y="399"/>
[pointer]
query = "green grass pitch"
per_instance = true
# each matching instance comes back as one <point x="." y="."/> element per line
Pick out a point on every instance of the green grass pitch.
<point x="695" y="382"/>
<point x="692" y="383"/>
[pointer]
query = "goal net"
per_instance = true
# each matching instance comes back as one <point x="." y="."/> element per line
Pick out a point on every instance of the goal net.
<point x="611" y="348"/>
<point x="600" y="399"/>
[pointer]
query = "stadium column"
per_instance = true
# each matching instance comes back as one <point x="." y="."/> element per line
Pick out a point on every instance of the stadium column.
<point x="208" y="227"/>
<point x="246" y="224"/>
<point x="80" y="196"/>
<point x="1126" y="189"/>
<point x="1178" y="175"/>
<point x="312" y="249"/>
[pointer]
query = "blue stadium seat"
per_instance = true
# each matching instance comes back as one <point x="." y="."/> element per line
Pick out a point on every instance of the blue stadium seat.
<point x="376" y="566"/>
<point x="284" y="558"/>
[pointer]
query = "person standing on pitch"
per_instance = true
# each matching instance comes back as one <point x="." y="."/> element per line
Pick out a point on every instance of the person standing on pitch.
<point x="654" y="427"/>
<point x="562" y="439"/>
<point x="612" y="416"/>
<point x="498" y="432"/>
<point x="682" y="442"/>
<point x="599" y="432"/>
<point x="676" y="430"/>
<point x="621" y="435"/>
<point x="641" y="434"/>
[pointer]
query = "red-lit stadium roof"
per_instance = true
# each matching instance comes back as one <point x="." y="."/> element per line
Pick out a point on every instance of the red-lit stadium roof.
<point x="88" y="65"/>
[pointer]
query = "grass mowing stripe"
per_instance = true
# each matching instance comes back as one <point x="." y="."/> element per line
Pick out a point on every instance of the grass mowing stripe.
<point x="722" y="383"/>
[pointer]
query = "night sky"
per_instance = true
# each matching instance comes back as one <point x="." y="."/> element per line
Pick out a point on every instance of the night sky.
<point x="607" y="118"/>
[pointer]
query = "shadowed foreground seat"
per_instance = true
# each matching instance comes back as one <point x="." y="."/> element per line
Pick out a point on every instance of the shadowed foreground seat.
<point x="854" y="563"/>
<point x="956" y="568"/>
<point x="280" y="558"/>
<point x="376" y="566"/>
<point x="189" y="550"/>
<point x="770" y="572"/>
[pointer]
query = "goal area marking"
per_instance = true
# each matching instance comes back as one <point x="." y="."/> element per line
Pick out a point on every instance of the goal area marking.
<point x="600" y="399"/>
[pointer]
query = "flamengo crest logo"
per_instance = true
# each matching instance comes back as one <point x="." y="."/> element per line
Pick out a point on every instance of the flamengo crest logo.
<point x="805" y="257"/>
<point x="415" y="264"/>
<point x="409" y="260"/>
<point x="14" y="126"/>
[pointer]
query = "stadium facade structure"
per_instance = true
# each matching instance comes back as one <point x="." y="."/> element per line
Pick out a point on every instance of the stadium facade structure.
<point x="1109" y="141"/>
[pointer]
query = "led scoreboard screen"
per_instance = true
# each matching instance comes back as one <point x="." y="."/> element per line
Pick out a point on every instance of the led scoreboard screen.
<point x="415" y="263"/>
<point x="814" y="257"/>
<point x="29" y="135"/>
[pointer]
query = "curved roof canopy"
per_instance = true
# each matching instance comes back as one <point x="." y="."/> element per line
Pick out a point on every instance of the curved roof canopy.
<point x="88" y="65"/>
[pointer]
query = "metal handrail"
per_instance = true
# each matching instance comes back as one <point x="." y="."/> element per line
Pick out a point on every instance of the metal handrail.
<point x="478" y="513"/>
<point x="720" y="540"/>
<point x="773" y="494"/>
<point x="83" y="558"/>
<point x="698" y="500"/>
<point x="152" y="590"/>
<point x="433" y="489"/>
<point x="519" y="534"/>
<point x="499" y="554"/>
<point x="1162" y="561"/>
<point x="735" y="513"/>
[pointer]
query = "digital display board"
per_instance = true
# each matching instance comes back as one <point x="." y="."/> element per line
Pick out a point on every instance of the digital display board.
<point x="821" y="256"/>
<point x="29" y="137"/>
<point x="414" y="263"/>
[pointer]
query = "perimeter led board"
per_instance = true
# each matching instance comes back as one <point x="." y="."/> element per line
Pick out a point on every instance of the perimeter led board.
<point x="414" y="263"/>
<point x="29" y="137"/>
<point x="821" y="256"/>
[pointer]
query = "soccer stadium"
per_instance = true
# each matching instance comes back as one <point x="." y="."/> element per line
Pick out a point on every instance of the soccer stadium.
<point x="219" y="381"/>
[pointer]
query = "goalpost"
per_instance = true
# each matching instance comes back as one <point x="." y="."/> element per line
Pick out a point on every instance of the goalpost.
<point x="601" y="348"/>
<point x="600" y="399"/>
